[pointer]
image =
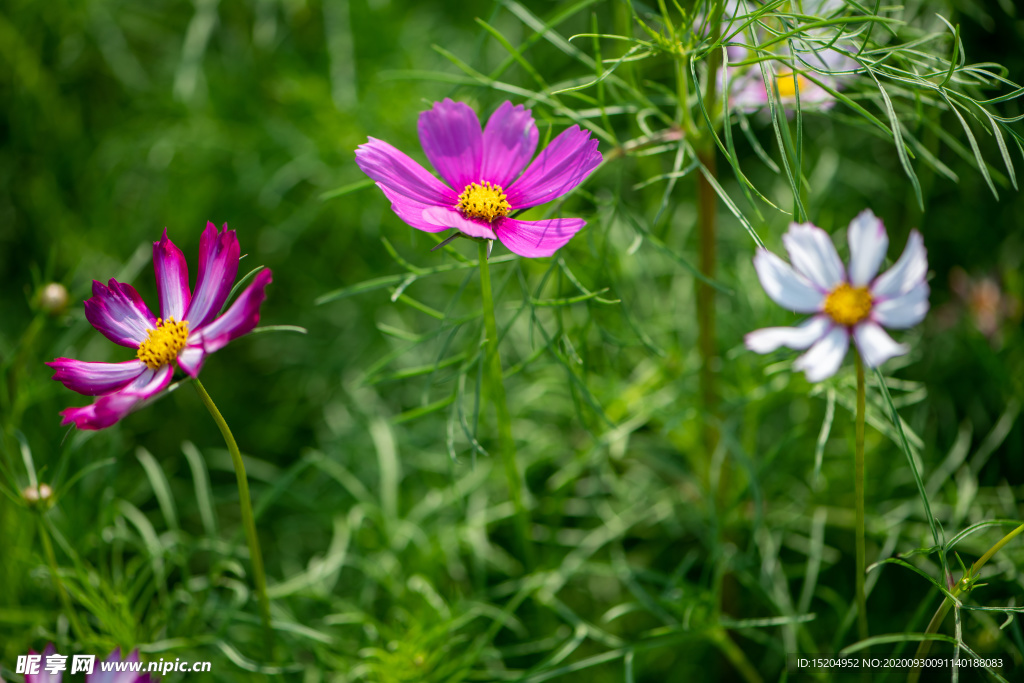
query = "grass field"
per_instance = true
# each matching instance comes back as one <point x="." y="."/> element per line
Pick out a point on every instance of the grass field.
<point x="657" y="503"/>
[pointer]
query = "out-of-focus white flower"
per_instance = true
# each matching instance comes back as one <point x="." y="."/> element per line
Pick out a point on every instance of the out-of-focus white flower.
<point x="845" y="302"/>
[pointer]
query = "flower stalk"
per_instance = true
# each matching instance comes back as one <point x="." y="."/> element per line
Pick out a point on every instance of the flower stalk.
<point x="495" y="379"/>
<point x="245" y="505"/>
<point x="707" y="226"/>
<point x="858" y="488"/>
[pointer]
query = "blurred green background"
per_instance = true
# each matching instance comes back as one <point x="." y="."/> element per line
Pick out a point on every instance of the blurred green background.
<point x="391" y="559"/>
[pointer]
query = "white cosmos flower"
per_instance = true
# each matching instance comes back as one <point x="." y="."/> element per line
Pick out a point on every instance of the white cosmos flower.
<point x="844" y="301"/>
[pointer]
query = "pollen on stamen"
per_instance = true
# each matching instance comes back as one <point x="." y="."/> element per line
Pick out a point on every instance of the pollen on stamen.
<point x="484" y="200"/>
<point x="163" y="343"/>
<point x="848" y="305"/>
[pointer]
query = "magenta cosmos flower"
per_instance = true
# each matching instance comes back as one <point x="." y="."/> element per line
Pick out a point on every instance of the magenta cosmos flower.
<point x="485" y="176"/>
<point x="844" y="302"/>
<point x="189" y="327"/>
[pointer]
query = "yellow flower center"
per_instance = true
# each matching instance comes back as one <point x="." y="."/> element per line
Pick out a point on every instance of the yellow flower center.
<point x="163" y="343"/>
<point x="848" y="305"/>
<point x="486" y="201"/>
<point x="789" y="88"/>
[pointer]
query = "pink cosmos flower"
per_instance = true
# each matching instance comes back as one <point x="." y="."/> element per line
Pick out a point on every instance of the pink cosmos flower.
<point x="61" y="663"/>
<point x="844" y="302"/>
<point x="485" y="175"/>
<point x="189" y="327"/>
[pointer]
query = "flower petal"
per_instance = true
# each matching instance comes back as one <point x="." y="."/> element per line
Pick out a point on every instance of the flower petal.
<point x="534" y="239"/>
<point x="171" y="278"/>
<point x="239" y="319"/>
<point x="903" y="311"/>
<point x="510" y="139"/>
<point x="785" y="286"/>
<point x="875" y="345"/>
<point x="825" y="357"/>
<point x="445" y="218"/>
<point x="119" y="313"/>
<point x="410" y="210"/>
<point x="908" y="272"/>
<point x="868" y="244"/>
<point x="44" y="676"/>
<point x="110" y="408"/>
<point x="218" y="266"/>
<point x="771" y="338"/>
<point x="93" y="379"/>
<point x="451" y="139"/>
<point x="398" y="172"/>
<point x="813" y="255"/>
<point x="559" y="168"/>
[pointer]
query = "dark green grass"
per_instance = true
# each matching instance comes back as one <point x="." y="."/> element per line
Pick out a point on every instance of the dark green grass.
<point x="387" y="527"/>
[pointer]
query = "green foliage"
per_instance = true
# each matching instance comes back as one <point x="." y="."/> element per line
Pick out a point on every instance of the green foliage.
<point x="387" y="526"/>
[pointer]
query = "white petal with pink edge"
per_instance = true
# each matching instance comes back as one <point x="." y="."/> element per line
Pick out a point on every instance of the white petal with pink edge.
<point x="769" y="339"/>
<point x="875" y="345"/>
<point x="785" y="286"/>
<point x="908" y="272"/>
<point x="824" y="358"/>
<point x="868" y="244"/>
<point x="813" y="255"/>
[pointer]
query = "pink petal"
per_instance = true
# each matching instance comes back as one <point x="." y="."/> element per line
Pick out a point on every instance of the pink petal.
<point x="868" y="244"/>
<point x="785" y="286"/>
<point x="399" y="173"/>
<point x="451" y="139"/>
<point x="534" y="239"/>
<point x="875" y="345"/>
<point x="510" y="139"/>
<point x="93" y="379"/>
<point x="44" y="676"/>
<point x="411" y="211"/>
<point x="110" y="408"/>
<point x="814" y="256"/>
<point x="218" y="266"/>
<point x="239" y="319"/>
<point x="769" y="339"/>
<point x="825" y="357"/>
<point x="563" y="165"/>
<point x="171" y="278"/>
<point x="119" y="313"/>
<point x="445" y="218"/>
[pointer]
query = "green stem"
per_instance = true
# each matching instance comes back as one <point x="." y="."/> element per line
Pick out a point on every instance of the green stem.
<point x="507" y="443"/>
<point x="248" y="519"/>
<point x="858" y="487"/>
<point x="735" y="656"/>
<point x="964" y="585"/>
<point x="51" y="559"/>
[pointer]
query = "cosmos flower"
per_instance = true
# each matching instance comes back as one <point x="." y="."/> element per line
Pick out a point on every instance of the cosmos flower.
<point x="55" y="674"/>
<point x="829" y="66"/>
<point x="820" y="53"/>
<point x="485" y="175"/>
<point x="845" y="302"/>
<point x="189" y="327"/>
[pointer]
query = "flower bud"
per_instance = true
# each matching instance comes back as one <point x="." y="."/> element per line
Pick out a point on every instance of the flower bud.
<point x="53" y="298"/>
<point x="41" y="495"/>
